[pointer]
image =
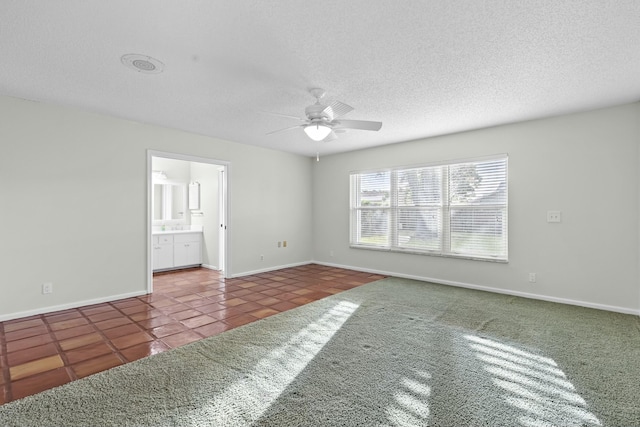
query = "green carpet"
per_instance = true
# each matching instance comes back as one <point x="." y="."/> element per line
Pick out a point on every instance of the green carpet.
<point x="395" y="353"/>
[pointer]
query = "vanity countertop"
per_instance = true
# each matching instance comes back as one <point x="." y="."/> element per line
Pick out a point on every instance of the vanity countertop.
<point x="158" y="233"/>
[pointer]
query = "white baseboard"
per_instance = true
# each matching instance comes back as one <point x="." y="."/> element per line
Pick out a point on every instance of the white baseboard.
<point x="268" y="269"/>
<point x="75" y="304"/>
<point x="210" y="267"/>
<point x="50" y="309"/>
<point x="587" y="304"/>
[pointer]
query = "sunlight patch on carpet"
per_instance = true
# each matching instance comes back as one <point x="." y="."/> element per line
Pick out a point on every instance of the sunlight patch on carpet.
<point x="410" y="406"/>
<point x="247" y="399"/>
<point x="532" y="384"/>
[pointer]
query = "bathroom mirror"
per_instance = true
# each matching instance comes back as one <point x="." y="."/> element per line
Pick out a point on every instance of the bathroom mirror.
<point x="169" y="202"/>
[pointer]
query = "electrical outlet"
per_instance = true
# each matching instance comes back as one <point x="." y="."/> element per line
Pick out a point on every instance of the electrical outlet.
<point x="554" y="216"/>
<point x="261" y="257"/>
<point x="532" y="277"/>
<point x="330" y="253"/>
<point x="284" y="244"/>
<point x="47" y="288"/>
<point x="279" y="244"/>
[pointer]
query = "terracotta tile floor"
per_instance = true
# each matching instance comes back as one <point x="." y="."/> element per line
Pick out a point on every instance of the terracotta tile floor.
<point x="44" y="351"/>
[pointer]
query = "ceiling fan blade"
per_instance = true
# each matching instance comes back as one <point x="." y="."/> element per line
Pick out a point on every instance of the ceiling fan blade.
<point x="337" y="109"/>
<point x="283" y="115"/>
<point x="332" y="136"/>
<point x="357" y="124"/>
<point x="284" y="130"/>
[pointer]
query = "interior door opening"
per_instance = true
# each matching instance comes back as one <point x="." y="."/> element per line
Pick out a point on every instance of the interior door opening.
<point x="187" y="213"/>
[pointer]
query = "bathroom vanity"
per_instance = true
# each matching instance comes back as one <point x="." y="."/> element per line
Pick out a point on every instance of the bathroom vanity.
<point x="174" y="249"/>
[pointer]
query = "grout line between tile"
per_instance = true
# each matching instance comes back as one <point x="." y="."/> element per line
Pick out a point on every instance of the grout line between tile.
<point x="59" y="349"/>
<point x="105" y="339"/>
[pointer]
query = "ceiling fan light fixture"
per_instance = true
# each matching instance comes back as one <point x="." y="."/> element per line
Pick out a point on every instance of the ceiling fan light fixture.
<point x="321" y="122"/>
<point x="317" y="131"/>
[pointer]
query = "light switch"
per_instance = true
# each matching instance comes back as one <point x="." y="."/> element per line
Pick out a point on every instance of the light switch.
<point x="554" y="216"/>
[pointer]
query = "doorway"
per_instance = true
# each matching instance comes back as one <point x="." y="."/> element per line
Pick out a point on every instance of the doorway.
<point x="187" y="194"/>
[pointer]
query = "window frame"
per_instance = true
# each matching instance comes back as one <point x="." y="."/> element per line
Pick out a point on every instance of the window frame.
<point x="444" y="208"/>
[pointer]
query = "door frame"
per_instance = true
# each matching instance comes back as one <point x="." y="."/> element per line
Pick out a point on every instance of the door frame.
<point x="225" y="230"/>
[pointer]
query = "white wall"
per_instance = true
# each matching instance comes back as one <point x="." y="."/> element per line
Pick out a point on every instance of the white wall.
<point x="73" y="206"/>
<point x="73" y="194"/>
<point x="585" y="165"/>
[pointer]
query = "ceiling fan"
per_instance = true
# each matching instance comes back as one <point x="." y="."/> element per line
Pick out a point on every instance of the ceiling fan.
<point x="321" y="121"/>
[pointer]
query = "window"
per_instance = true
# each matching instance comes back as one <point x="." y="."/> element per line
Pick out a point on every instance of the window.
<point x="456" y="209"/>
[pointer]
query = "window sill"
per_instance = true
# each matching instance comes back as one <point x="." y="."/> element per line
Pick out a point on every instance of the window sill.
<point x="436" y="254"/>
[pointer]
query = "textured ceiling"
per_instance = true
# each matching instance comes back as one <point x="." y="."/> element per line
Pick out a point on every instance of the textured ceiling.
<point x="423" y="68"/>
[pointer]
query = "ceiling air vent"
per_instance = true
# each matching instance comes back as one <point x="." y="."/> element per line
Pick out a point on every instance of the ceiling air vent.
<point x="142" y="63"/>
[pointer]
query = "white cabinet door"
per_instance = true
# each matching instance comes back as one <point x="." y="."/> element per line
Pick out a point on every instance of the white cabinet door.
<point x="162" y="256"/>
<point x="162" y="252"/>
<point x="194" y="254"/>
<point x="180" y="253"/>
<point x="187" y="250"/>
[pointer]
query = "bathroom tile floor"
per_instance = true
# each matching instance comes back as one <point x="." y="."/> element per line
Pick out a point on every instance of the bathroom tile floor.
<point x="43" y="351"/>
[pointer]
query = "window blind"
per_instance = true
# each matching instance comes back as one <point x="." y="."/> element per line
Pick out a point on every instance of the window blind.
<point x="457" y="209"/>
